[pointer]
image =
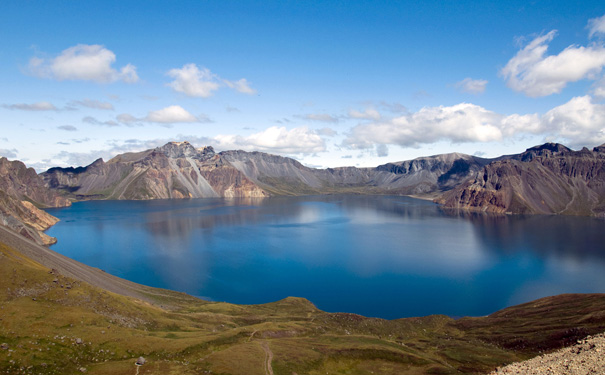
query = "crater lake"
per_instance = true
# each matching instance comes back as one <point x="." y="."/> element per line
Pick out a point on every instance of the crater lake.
<point x="378" y="256"/>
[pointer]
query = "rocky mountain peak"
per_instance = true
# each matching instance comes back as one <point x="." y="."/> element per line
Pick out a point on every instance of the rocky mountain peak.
<point x="185" y="149"/>
<point x="177" y="149"/>
<point x="547" y="149"/>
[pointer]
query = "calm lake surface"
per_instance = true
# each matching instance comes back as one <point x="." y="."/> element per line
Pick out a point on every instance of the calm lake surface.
<point x="379" y="256"/>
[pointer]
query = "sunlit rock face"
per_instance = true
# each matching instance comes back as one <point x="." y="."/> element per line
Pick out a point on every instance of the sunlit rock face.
<point x="176" y="170"/>
<point x="22" y="194"/>
<point x="547" y="179"/>
<point x="421" y="176"/>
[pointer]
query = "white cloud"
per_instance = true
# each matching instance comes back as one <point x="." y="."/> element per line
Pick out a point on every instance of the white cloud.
<point x="596" y="26"/>
<point x="69" y="128"/>
<point x="463" y="122"/>
<point x="39" y="106"/>
<point x="321" y="117"/>
<point x="94" y="104"/>
<point x="368" y="114"/>
<point x="126" y="118"/>
<point x="535" y="74"/>
<point x="579" y="121"/>
<point x="471" y="86"/>
<point x="276" y="140"/>
<point x="94" y="121"/>
<point x="83" y="62"/>
<point x="242" y="86"/>
<point x="171" y="114"/>
<point x="193" y="81"/>
<point x="328" y="132"/>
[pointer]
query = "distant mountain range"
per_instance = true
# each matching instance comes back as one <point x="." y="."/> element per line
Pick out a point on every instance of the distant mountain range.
<point x="178" y="170"/>
<point x="546" y="179"/>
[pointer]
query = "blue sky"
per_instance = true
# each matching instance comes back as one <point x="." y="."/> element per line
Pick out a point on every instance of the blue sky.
<point x="330" y="83"/>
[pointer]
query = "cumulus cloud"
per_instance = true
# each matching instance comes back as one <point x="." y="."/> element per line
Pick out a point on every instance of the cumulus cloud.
<point x="535" y="74"/>
<point x="68" y="128"/>
<point x="83" y="62"/>
<point x="171" y="114"/>
<point x="596" y="26"/>
<point x="275" y="139"/>
<point x="463" y="122"/>
<point x="193" y="81"/>
<point x="579" y="122"/>
<point x="39" y="106"/>
<point x="368" y="114"/>
<point x="94" y="104"/>
<point x="471" y="86"/>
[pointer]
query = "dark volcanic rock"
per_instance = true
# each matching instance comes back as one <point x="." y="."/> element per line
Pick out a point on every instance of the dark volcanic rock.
<point x="547" y="179"/>
<point x="22" y="194"/>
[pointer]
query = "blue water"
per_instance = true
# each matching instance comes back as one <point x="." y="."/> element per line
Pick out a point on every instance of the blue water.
<point x="379" y="256"/>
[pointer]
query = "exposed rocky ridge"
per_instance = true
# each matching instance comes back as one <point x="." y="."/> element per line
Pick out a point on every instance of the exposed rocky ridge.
<point x="22" y="194"/>
<point x="547" y="179"/>
<point x="175" y="170"/>
<point x="424" y="175"/>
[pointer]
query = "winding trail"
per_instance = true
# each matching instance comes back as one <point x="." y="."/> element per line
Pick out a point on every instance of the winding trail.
<point x="268" y="358"/>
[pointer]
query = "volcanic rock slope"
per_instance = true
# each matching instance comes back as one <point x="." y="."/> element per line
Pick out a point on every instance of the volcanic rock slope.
<point x="22" y="194"/>
<point x="547" y="179"/>
<point x="175" y="170"/>
<point x="178" y="170"/>
<point x="421" y="176"/>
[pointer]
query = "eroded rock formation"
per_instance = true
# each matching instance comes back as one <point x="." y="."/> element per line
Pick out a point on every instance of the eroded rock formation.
<point x="22" y="194"/>
<point x="175" y="170"/>
<point x="547" y="179"/>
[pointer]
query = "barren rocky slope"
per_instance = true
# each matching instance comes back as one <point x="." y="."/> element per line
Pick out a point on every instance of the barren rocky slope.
<point x="22" y="194"/>
<point x="584" y="358"/>
<point x="175" y="170"/>
<point x="547" y="179"/>
<point x="421" y="176"/>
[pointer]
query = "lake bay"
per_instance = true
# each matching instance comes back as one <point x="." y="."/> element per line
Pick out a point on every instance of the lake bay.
<point x="378" y="256"/>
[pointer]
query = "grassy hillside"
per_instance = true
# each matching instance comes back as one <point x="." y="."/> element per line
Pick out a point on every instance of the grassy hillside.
<point x="53" y="324"/>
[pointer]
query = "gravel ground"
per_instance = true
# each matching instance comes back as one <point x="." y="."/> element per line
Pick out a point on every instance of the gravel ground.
<point x="586" y="357"/>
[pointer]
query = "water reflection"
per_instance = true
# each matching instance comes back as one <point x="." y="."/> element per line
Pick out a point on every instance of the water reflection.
<point x="378" y="256"/>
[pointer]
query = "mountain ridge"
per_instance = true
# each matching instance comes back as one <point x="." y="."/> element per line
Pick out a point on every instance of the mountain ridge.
<point x="545" y="179"/>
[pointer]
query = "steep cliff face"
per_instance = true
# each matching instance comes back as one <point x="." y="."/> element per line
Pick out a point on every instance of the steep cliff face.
<point x="175" y="170"/>
<point x="426" y="175"/>
<point x="22" y="194"/>
<point x="547" y="179"/>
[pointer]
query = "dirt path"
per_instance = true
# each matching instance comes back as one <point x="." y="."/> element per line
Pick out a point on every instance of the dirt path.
<point x="268" y="358"/>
